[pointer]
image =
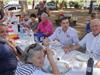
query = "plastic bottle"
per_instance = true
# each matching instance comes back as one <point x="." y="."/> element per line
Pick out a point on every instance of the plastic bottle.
<point x="90" y="64"/>
<point x="31" y="37"/>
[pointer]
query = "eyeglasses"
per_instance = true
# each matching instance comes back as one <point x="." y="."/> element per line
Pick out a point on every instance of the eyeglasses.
<point x="31" y="47"/>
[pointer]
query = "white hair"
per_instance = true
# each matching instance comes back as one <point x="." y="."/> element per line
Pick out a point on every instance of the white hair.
<point x="44" y="15"/>
<point x="96" y="21"/>
<point x="30" y="51"/>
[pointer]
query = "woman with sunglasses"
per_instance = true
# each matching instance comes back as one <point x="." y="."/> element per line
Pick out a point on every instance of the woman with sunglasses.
<point x="33" y="61"/>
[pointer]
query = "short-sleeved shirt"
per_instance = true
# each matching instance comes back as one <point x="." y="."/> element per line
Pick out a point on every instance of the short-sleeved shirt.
<point x="65" y="38"/>
<point x="92" y="44"/>
<point x="25" y="68"/>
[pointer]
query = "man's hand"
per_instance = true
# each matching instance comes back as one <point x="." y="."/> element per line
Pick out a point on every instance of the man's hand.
<point x="98" y="64"/>
<point x="66" y="48"/>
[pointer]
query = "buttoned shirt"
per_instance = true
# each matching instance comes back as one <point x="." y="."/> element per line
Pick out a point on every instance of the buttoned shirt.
<point x="92" y="44"/>
<point x="65" y="38"/>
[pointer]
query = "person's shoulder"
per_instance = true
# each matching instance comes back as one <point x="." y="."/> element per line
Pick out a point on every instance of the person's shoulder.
<point x="26" y="69"/>
<point x="50" y="22"/>
<point x="89" y="34"/>
<point x="2" y="45"/>
<point x="72" y="30"/>
<point x="58" y="28"/>
<point x="40" y="23"/>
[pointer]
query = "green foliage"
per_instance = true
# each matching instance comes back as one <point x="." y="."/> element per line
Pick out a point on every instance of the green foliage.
<point x="29" y="1"/>
<point x="74" y="4"/>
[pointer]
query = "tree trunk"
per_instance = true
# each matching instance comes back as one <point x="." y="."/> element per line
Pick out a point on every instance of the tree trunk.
<point x="23" y="3"/>
<point x="91" y="7"/>
<point x="33" y="3"/>
<point x="1" y="4"/>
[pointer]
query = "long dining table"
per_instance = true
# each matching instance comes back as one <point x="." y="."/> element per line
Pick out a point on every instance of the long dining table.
<point x="76" y="59"/>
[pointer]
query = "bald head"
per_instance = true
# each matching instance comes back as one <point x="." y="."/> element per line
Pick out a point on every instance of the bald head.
<point x="95" y="22"/>
<point x="95" y="26"/>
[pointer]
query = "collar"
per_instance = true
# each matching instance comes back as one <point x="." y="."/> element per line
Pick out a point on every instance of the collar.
<point x="66" y="30"/>
<point x="2" y="40"/>
<point x="96" y="35"/>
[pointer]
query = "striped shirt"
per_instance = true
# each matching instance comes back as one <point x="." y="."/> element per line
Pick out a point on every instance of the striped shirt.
<point x="25" y="69"/>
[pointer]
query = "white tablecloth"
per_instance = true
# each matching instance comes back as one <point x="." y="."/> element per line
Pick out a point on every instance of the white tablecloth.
<point x="79" y="71"/>
<point x="70" y="57"/>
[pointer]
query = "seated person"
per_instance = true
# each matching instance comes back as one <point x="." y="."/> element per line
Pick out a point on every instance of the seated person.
<point x="91" y="41"/>
<point x="88" y="28"/>
<point x="45" y="26"/>
<point x="33" y="60"/>
<point x="33" y="24"/>
<point x="65" y="34"/>
<point x="8" y="60"/>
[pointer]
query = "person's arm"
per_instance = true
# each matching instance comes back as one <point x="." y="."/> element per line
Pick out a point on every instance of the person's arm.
<point x="75" y="37"/>
<point x="53" y="36"/>
<point x="38" y="27"/>
<point x="98" y="64"/>
<point x="82" y="43"/>
<point x="52" y="62"/>
<point x="50" y="29"/>
<point x="10" y="61"/>
<point x="70" y="48"/>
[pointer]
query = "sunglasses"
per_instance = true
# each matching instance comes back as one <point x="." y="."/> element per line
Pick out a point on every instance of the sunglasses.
<point x="31" y="47"/>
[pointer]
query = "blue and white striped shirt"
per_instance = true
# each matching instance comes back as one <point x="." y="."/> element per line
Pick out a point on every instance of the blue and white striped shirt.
<point x="25" y="69"/>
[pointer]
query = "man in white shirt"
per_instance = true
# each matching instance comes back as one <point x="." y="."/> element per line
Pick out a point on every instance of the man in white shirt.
<point x="91" y="41"/>
<point x="65" y="34"/>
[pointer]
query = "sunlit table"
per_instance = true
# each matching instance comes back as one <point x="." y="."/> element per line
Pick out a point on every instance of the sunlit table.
<point x="76" y="59"/>
<point x="78" y="70"/>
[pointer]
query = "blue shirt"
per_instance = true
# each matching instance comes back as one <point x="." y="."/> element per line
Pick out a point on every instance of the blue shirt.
<point x="92" y="44"/>
<point x="8" y="61"/>
<point x="70" y="37"/>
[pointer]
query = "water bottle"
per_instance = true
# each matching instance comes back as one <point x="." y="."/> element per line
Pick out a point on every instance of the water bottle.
<point x="31" y="37"/>
<point x="90" y="64"/>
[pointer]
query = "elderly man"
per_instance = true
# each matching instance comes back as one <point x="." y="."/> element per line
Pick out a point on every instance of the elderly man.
<point x="8" y="61"/>
<point x="66" y="35"/>
<point x="91" y="41"/>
